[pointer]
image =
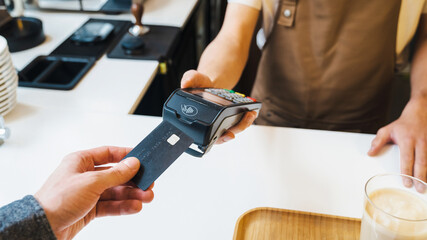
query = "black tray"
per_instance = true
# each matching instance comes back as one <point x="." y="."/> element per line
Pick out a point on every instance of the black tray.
<point x="69" y="62"/>
<point x="55" y="72"/>
<point x="159" y="44"/>
<point x="116" y="6"/>
<point x="70" y="48"/>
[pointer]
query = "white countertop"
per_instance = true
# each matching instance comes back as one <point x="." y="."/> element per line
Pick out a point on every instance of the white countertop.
<point x="156" y="12"/>
<point x="112" y="85"/>
<point x="308" y="170"/>
<point x="59" y="25"/>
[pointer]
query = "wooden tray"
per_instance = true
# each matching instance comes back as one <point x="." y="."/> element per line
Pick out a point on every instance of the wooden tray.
<point x="271" y="223"/>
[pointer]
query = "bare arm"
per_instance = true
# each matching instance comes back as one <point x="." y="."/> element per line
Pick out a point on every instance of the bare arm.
<point x="223" y="60"/>
<point x="225" y="57"/>
<point x="410" y="130"/>
<point x="419" y="65"/>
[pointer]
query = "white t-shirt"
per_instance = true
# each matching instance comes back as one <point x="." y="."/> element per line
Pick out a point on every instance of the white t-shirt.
<point x="410" y="12"/>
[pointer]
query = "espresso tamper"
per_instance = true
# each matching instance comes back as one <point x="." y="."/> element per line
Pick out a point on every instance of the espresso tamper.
<point x="138" y="30"/>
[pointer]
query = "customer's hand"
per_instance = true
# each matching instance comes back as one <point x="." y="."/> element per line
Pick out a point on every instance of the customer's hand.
<point x="409" y="132"/>
<point x="195" y="79"/>
<point x="78" y="190"/>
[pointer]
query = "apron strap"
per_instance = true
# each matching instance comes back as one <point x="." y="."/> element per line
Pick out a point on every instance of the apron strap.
<point x="287" y="13"/>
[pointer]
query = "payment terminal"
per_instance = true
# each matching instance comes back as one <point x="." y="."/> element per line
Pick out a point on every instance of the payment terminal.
<point x="193" y="119"/>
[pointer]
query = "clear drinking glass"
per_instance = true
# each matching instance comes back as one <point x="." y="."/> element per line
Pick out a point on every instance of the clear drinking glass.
<point x="395" y="207"/>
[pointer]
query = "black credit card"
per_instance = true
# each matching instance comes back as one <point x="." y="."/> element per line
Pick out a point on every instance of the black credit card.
<point x="157" y="152"/>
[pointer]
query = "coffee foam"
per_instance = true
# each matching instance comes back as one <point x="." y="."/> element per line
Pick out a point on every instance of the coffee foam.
<point x="410" y="210"/>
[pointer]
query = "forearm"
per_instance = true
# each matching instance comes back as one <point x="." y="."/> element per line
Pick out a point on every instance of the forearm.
<point x="24" y="219"/>
<point x="419" y="63"/>
<point x="223" y="63"/>
<point x="224" y="59"/>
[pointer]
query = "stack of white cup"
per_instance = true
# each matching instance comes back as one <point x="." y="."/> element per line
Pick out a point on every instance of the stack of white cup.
<point x="8" y="79"/>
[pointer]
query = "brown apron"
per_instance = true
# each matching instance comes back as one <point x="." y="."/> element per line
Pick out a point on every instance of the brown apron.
<point x="328" y="64"/>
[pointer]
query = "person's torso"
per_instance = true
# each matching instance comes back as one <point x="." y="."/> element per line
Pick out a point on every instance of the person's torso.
<point x="409" y="15"/>
<point x="327" y="64"/>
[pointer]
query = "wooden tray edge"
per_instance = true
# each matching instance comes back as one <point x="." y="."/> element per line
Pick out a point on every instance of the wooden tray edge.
<point x="241" y="217"/>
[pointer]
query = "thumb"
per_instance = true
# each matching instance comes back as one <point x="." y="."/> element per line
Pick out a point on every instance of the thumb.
<point x="121" y="173"/>
<point x="382" y="138"/>
<point x="194" y="79"/>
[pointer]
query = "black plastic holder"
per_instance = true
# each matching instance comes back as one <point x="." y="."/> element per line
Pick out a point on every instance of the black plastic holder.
<point x="69" y="62"/>
<point x="55" y="72"/>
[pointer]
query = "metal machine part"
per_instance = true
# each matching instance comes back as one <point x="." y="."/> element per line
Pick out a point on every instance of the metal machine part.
<point x="4" y="131"/>
<point x="138" y="29"/>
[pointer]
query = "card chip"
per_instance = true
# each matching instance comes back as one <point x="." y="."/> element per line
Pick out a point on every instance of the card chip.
<point x="157" y="151"/>
<point x="172" y="140"/>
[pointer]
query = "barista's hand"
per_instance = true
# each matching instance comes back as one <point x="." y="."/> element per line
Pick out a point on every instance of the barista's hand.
<point x="195" y="79"/>
<point x="409" y="132"/>
<point x="78" y="190"/>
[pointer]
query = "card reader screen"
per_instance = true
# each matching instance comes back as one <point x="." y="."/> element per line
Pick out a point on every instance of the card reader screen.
<point x="210" y="97"/>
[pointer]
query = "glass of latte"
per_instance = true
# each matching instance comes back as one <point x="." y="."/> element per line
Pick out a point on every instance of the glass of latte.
<point x="395" y="207"/>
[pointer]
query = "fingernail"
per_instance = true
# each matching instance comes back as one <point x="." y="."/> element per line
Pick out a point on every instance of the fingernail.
<point x="131" y="162"/>
<point x="228" y="138"/>
<point x="421" y="188"/>
<point x="254" y="115"/>
<point x="407" y="182"/>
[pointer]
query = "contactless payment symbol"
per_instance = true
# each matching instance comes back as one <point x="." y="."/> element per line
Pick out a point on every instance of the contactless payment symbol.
<point x="189" y="110"/>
